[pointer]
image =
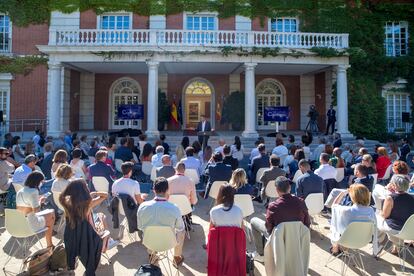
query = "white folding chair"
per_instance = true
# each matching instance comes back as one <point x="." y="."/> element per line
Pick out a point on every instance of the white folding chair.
<point x="406" y="234"/>
<point x="18" y="226"/>
<point x="146" y="168"/>
<point x="17" y="186"/>
<point x="245" y="203"/>
<point x="386" y="176"/>
<point x="56" y="196"/>
<point x="153" y="174"/>
<point x="375" y="176"/>
<point x="298" y="174"/>
<point x="340" y="174"/>
<point x="100" y="184"/>
<point x="314" y="203"/>
<point x="183" y="203"/>
<point x="270" y="190"/>
<point x="356" y="235"/>
<point x="214" y="189"/>
<point x="118" y="164"/>
<point x="160" y="240"/>
<point x="124" y="224"/>
<point x="259" y="174"/>
<point x="193" y="175"/>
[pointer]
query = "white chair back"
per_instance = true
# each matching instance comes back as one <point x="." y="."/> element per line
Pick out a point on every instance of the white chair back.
<point x="193" y="175"/>
<point x="245" y="203"/>
<point x="18" y="186"/>
<point x="153" y="174"/>
<point x="407" y="232"/>
<point x="100" y="184"/>
<point x="387" y="174"/>
<point x="121" y="208"/>
<point x="215" y="188"/>
<point x="340" y="174"/>
<point x="298" y="174"/>
<point x="182" y="202"/>
<point x="260" y="173"/>
<point x="159" y="238"/>
<point x="146" y="168"/>
<point x="315" y="203"/>
<point x="118" y="164"/>
<point x="91" y="159"/>
<point x="271" y="189"/>
<point x="17" y="224"/>
<point x="375" y="176"/>
<point x="357" y="235"/>
<point x="56" y="196"/>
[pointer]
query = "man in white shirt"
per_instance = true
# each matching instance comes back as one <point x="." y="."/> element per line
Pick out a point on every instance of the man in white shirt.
<point x="190" y="161"/>
<point x="179" y="184"/>
<point x="126" y="185"/>
<point x="156" y="159"/>
<point x="22" y="172"/>
<point x="325" y="171"/>
<point x="160" y="212"/>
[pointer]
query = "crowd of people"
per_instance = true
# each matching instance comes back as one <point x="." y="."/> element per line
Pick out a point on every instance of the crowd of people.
<point x="375" y="187"/>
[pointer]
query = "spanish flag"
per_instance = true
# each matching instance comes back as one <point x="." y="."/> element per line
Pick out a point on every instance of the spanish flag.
<point x="174" y="114"/>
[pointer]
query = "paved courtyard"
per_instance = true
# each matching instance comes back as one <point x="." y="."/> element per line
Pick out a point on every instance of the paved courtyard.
<point x="127" y="257"/>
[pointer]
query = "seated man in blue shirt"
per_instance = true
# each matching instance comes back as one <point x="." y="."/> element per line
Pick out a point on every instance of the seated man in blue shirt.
<point x="124" y="152"/>
<point x="100" y="168"/>
<point x="309" y="182"/>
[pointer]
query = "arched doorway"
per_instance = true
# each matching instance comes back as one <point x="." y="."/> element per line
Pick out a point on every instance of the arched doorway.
<point x="269" y="92"/>
<point x="124" y="91"/>
<point x="198" y="100"/>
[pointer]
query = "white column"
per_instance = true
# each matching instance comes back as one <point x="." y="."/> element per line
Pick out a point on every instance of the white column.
<point x="54" y="101"/>
<point x="152" y="107"/>
<point x="342" y="101"/>
<point x="250" y="102"/>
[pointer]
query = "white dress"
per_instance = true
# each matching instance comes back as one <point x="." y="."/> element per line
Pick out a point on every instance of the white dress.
<point x="78" y="168"/>
<point x="29" y="197"/>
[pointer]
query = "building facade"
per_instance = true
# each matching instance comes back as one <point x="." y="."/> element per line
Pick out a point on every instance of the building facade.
<point x="98" y="62"/>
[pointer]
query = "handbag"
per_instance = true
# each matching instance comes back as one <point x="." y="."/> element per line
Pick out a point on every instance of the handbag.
<point x="148" y="270"/>
<point x="58" y="261"/>
<point x="38" y="262"/>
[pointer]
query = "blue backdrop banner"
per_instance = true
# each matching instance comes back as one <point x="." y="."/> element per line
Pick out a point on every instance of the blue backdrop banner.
<point x="131" y="112"/>
<point x="277" y="114"/>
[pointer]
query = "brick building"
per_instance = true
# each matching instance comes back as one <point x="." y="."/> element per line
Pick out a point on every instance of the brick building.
<point x="97" y="62"/>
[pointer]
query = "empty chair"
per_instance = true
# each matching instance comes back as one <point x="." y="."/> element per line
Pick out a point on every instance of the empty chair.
<point x="100" y="184"/>
<point x="146" y="168"/>
<point x="340" y="174"/>
<point x="18" y="227"/>
<point x="215" y="189"/>
<point x="315" y="204"/>
<point x="193" y="175"/>
<point x="245" y="203"/>
<point x="118" y="164"/>
<point x="356" y="235"/>
<point x="270" y="190"/>
<point x="259" y="174"/>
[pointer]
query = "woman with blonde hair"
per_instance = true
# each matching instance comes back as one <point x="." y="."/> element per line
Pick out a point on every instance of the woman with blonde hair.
<point x="179" y="154"/>
<point x="239" y="182"/>
<point x="60" y="157"/>
<point x="63" y="174"/>
<point x="383" y="162"/>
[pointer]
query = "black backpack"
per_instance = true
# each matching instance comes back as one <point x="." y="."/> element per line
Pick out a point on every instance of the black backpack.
<point x="148" y="270"/>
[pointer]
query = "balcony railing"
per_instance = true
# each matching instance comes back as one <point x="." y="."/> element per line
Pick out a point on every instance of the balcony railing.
<point x="86" y="37"/>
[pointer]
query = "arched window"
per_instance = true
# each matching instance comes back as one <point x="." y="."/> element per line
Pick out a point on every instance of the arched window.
<point x="198" y="87"/>
<point x="124" y="91"/>
<point x="268" y="93"/>
<point x="198" y="100"/>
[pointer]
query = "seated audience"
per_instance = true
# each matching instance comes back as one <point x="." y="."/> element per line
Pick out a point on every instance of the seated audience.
<point x="261" y="161"/>
<point x="102" y="169"/>
<point x="280" y="150"/>
<point x="198" y="151"/>
<point x="207" y="154"/>
<point x="166" y="170"/>
<point x="361" y="152"/>
<point x="128" y="186"/>
<point x="400" y="167"/>
<point x="308" y="183"/>
<point x="59" y="158"/>
<point x="190" y="161"/>
<point x="369" y="163"/>
<point x="164" y="144"/>
<point x="123" y="152"/>
<point x="179" y="154"/>
<point x="405" y="149"/>
<point x="237" y="149"/>
<point x="255" y="151"/>
<point x="216" y="171"/>
<point x="225" y="213"/>
<point x="394" y="153"/>
<point x="185" y="142"/>
<point x="221" y="145"/>
<point x="147" y="153"/>
<point x="63" y="174"/>
<point x="285" y="208"/>
<point x="28" y="202"/>
<point x="293" y="166"/>
<point x="160" y="212"/>
<point x="239" y="182"/>
<point x="6" y="170"/>
<point x="337" y="140"/>
<point x="397" y="208"/>
<point x="347" y="154"/>
<point x="179" y="184"/>
<point x="156" y="159"/>
<point x="228" y="158"/>
<point x="271" y="174"/>
<point x="319" y="149"/>
<point x="336" y="160"/>
<point x="8" y="141"/>
<point x="22" y="172"/>
<point x="93" y="149"/>
<point x="383" y="162"/>
<point x="342" y="216"/>
<point x="307" y="140"/>
<point x="17" y="151"/>
<point x="84" y="146"/>
<point x="291" y="141"/>
<point x="77" y="164"/>
<point x="325" y="170"/>
<point x="142" y="142"/>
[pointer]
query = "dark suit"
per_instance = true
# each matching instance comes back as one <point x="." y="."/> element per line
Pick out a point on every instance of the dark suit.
<point x="217" y="172"/>
<point x="309" y="183"/>
<point x="405" y="149"/>
<point x="233" y="162"/>
<point x="331" y="114"/>
<point x="165" y="171"/>
<point x="270" y="175"/>
<point x="259" y="162"/>
<point x="203" y="139"/>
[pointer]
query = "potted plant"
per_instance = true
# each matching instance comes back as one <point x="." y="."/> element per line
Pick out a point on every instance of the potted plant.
<point x="233" y="110"/>
<point x="163" y="110"/>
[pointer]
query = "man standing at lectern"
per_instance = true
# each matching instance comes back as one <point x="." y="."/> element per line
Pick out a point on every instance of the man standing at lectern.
<point x="331" y="114"/>
<point x="203" y="126"/>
